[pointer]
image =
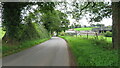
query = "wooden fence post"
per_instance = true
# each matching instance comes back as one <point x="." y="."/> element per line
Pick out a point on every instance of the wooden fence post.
<point x="96" y="35"/>
<point x="87" y="34"/>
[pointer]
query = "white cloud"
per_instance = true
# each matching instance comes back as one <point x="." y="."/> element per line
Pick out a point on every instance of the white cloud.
<point x="105" y="21"/>
<point x="83" y="21"/>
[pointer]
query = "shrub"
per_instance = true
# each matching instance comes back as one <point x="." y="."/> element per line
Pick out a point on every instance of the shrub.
<point x="62" y="34"/>
<point x="108" y="34"/>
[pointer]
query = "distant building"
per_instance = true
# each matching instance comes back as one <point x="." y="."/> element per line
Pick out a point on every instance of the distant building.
<point x="70" y="29"/>
<point x="103" y="29"/>
<point x="71" y="32"/>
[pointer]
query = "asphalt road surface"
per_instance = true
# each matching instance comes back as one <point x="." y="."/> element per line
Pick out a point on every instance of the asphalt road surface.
<point x="53" y="52"/>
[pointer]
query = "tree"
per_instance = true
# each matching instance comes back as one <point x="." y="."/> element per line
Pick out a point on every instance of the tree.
<point x="51" y="21"/>
<point x="85" y="26"/>
<point x="64" y="21"/>
<point x="92" y="25"/>
<point x="55" y="21"/>
<point x="107" y="11"/>
<point x="77" y="26"/>
<point x="99" y="25"/>
<point x="97" y="11"/>
<point x="116" y="24"/>
<point x="71" y="26"/>
<point x="12" y="18"/>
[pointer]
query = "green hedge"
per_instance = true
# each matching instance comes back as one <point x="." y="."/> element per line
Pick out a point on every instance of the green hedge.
<point x="31" y="34"/>
<point x="108" y="34"/>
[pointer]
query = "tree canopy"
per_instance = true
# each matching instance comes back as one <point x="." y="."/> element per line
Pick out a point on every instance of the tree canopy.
<point x="17" y="16"/>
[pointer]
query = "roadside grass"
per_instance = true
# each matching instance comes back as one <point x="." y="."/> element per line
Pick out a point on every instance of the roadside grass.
<point x="83" y="29"/>
<point x="92" y="52"/>
<point x="8" y="50"/>
<point x="108" y="39"/>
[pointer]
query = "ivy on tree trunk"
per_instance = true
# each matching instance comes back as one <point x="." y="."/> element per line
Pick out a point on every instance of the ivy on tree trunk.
<point x="11" y="20"/>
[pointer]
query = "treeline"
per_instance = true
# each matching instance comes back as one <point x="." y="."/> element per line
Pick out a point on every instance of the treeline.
<point x="75" y="26"/>
<point x="23" y="21"/>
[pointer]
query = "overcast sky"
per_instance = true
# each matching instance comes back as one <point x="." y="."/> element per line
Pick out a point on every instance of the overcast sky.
<point x="83" y="21"/>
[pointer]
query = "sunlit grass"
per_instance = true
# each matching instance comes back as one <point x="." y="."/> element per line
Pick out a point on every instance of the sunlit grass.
<point x="84" y="29"/>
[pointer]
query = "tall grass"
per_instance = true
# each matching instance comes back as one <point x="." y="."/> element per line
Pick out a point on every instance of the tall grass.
<point x="92" y="52"/>
<point x="108" y="39"/>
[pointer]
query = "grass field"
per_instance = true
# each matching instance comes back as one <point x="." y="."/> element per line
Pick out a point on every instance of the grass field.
<point x="86" y="28"/>
<point x="92" y="52"/>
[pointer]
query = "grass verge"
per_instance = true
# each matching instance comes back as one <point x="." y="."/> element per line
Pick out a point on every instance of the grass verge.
<point x="8" y="50"/>
<point x="92" y="52"/>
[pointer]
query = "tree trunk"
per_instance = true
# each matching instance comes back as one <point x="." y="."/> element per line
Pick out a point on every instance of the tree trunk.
<point x="11" y="20"/>
<point x="116" y="24"/>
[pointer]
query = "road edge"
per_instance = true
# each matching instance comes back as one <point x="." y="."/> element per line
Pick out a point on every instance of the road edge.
<point x="72" y="59"/>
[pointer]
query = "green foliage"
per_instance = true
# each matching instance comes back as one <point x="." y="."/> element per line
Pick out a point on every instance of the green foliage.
<point x="100" y="25"/>
<point x="62" y="34"/>
<point x="72" y="26"/>
<point x="46" y="6"/>
<point x="64" y="21"/>
<point x="96" y="10"/>
<point x="108" y="34"/>
<point x="1" y="33"/>
<point x="100" y="10"/>
<point x="51" y="21"/>
<point x="33" y="31"/>
<point x="12" y="19"/>
<point x="55" y="21"/>
<point x="11" y="16"/>
<point x="92" y="52"/>
<point x="8" y="50"/>
<point x="20" y="34"/>
<point x="32" y="34"/>
<point x="75" y="26"/>
<point x="17" y="31"/>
